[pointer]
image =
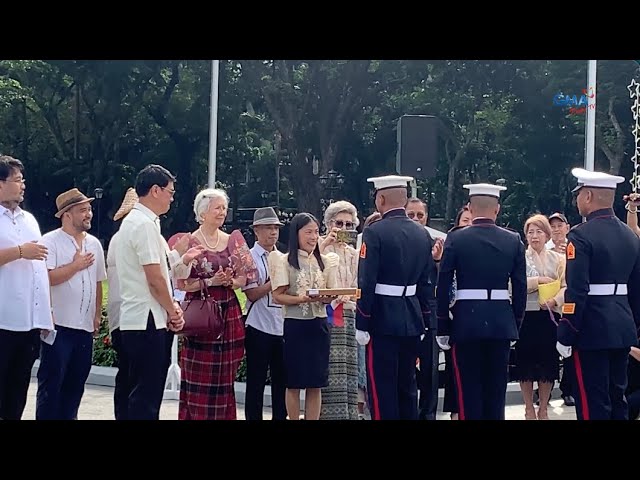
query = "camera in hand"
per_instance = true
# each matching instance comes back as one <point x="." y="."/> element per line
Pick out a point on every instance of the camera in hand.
<point x="350" y="237"/>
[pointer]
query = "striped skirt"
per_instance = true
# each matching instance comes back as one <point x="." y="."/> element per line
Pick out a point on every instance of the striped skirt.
<point x="340" y="396"/>
<point x="209" y="366"/>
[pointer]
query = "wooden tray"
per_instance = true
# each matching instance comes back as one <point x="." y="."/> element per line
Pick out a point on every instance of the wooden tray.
<point x="333" y="292"/>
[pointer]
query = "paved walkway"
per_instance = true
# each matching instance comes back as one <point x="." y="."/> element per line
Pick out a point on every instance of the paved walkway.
<point x="97" y="404"/>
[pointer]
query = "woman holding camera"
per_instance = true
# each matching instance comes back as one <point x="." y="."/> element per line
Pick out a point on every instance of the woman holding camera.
<point x="340" y="397"/>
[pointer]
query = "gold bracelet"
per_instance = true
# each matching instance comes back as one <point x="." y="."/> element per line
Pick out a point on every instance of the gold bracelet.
<point x="627" y="206"/>
<point x="20" y="251"/>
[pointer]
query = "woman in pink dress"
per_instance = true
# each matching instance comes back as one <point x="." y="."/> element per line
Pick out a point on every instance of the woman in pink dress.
<point x="209" y="365"/>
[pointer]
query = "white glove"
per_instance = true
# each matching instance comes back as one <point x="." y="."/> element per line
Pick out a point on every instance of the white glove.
<point x="563" y="350"/>
<point x="443" y="342"/>
<point x="362" y="337"/>
<point x="513" y="342"/>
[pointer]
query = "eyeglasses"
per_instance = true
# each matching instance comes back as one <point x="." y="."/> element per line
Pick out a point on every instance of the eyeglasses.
<point x="341" y="223"/>
<point x="420" y="215"/>
<point x="171" y="192"/>
<point x="16" y="180"/>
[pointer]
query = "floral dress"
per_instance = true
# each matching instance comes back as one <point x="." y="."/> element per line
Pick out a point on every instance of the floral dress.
<point x="209" y="365"/>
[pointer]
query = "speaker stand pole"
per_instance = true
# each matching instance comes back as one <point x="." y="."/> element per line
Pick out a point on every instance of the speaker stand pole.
<point x="414" y="188"/>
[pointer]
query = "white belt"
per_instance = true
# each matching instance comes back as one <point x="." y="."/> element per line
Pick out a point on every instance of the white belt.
<point x="608" y="289"/>
<point x="395" y="290"/>
<point x="481" y="294"/>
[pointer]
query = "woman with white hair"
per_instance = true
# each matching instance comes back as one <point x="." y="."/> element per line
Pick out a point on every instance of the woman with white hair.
<point x="340" y="396"/>
<point x="209" y="364"/>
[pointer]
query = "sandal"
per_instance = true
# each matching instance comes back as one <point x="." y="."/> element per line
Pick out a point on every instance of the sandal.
<point x="543" y="415"/>
<point x="530" y="415"/>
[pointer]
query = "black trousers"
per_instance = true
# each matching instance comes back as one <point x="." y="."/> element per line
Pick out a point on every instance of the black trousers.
<point x="427" y="376"/>
<point x="568" y="380"/>
<point x="391" y="377"/>
<point x="264" y="353"/>
<point x="18" y="353"/>
<point x="633" y="399"/>
<point x="121" y="391"/>
<point x="63" y="372"/>
<point x="481" y="375"/>
<point x="149" y="355"/>
<point x="601" y="381"/>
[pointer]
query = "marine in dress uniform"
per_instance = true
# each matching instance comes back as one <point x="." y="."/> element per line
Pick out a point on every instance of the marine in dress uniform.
<point x="393" y="276"/>
<point x="428" y="351"/>
<point x="601" y="312"/>
<point x="484" y="258"/>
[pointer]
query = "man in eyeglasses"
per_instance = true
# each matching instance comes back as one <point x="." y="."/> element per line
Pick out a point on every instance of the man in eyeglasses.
<point x="25" y="303"/>
<point x="427" y="375"/>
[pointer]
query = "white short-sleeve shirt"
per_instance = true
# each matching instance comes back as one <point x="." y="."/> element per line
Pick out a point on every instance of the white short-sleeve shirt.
<point x="74" y="301"/>
<point x="113" y="300"/>
<point x="140" y="243"/>
<point x="264" y="315"/>
<point x="25" y="302"/>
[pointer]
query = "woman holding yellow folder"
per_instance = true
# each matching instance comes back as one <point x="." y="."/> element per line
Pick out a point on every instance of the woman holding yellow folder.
<point x="536" y="358"/>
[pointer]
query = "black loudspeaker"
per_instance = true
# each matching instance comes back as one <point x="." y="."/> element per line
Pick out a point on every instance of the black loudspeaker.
<point x="417" y="145"/>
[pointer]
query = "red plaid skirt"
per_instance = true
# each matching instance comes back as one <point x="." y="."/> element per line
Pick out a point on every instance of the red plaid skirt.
<point x="209" y="366"/>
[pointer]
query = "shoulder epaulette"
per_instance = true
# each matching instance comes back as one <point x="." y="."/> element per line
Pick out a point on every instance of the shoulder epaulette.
<point x="512" y="232"/>
<point x="509" y="229"/>
<point x="577" y="225"/>
<point x="454" y="229"/>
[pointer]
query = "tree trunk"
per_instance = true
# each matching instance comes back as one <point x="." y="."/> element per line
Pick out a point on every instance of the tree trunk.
<point x="614" y="153"/>
<point x="451" y="176"/>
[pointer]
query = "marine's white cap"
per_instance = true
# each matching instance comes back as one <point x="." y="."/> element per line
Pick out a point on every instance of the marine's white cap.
<point x="485" y="189"/>
<point x="389" y="181"/>
<point x="587" y="178"/>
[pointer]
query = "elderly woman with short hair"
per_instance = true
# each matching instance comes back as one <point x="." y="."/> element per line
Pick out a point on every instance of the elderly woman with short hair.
<point x="209" y="364"/>
<point x="536" y="358"/>
<point x="340" y="396"/>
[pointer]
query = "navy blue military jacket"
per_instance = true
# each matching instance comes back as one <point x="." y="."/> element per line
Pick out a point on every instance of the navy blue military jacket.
<point x="482" y="256"/>
<point x="395" y="251"/>
<point x="602" y="250"/>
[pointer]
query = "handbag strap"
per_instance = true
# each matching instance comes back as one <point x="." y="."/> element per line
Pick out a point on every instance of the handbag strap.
<point x="551" y="317"/>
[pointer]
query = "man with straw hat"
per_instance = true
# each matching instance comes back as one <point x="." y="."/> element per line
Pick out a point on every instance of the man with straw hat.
<point x="120" y="394"/>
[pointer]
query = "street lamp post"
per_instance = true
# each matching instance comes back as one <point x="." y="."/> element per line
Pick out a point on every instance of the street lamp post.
<point x="332" y="181"/>
<point x="98" y="194"/>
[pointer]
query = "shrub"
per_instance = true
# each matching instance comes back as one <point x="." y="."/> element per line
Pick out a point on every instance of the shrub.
<point x="105" y="356"/>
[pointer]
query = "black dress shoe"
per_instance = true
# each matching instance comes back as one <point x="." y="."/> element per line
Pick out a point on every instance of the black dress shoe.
<point x="569" y="401"/>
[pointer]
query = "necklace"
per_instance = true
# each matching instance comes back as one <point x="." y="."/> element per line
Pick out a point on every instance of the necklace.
<point x="212" y="248"/>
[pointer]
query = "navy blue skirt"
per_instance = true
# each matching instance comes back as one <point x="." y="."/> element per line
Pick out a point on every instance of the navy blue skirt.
<point x="306" y="352"/>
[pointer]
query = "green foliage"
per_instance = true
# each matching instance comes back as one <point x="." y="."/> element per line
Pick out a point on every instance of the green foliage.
<point x="103" y="353"/>
<point x="95" y="123"/>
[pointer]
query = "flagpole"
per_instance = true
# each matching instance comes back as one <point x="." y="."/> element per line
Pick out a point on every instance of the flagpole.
<point x="213" y="122"/>
<point x="589" y="160"/>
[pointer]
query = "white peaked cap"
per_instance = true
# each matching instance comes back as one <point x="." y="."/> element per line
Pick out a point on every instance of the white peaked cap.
<point x="485" y="189"/>
<point x="587" y="178"/>
<point x="389" y="181"/>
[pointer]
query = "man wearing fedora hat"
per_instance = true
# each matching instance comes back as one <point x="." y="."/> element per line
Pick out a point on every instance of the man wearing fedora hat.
<point x="76" y="272"/>
<point x="264" y="326"/>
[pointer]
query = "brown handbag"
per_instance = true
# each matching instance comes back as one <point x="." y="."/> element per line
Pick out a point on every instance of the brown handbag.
<point x="202" y="315"/>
